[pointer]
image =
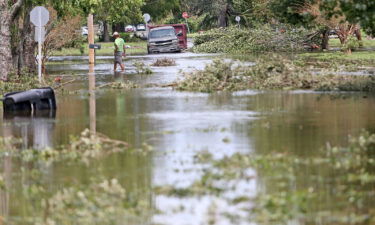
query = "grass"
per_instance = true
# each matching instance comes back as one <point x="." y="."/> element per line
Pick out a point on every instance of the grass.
<point x="335" y="43"/>
<point x="136" y="48"/>
<point x="356" y="55"/>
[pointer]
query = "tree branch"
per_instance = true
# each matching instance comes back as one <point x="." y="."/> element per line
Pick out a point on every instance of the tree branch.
<point x="15" y="9"/>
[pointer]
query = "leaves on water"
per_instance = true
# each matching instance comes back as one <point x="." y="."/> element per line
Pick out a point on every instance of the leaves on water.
<point x="282" y="197"/>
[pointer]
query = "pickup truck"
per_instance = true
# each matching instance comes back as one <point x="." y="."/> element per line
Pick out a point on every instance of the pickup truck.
<point x="167" y="38"/>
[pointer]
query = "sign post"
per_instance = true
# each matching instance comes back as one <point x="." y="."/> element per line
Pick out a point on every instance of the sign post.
<point x="91" y="38"/>
<point x="238" y="19"/>
<point x="147" y="19"/>
<point x="39" y="16"/>
<point x="185" y="15"/>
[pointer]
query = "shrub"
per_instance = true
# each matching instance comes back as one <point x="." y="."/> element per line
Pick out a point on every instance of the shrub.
<point x="129" y="37"/>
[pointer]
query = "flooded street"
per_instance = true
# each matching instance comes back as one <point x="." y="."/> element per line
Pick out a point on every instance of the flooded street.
<point x="176" y="126"/>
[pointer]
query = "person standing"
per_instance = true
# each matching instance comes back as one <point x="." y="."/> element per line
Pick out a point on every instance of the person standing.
<point x="119" y="51"/>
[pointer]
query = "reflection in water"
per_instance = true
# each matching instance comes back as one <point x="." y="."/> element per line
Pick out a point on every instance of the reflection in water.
<point x="35" y="131"/>
<point x="92" y="100"/>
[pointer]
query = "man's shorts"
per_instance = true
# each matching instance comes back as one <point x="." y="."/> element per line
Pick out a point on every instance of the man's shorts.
<point x="118" y="57"/>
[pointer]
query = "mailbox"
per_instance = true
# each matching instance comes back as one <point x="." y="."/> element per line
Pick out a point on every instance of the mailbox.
<point x="95" y="46"/>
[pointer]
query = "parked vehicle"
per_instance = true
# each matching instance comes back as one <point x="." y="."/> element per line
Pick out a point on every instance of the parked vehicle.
<point x="141" y="27"/>
<point x="141" y="31"/>
<point x="167" y="38"/>
<point x="129" y="28"/>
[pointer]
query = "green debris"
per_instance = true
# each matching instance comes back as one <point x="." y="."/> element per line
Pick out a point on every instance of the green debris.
<point x="275" y="73"/>
<point x="164" y="62"/>
<point x="84" y="148"/>
<point x="120" y="85"/>
<point x="142" y="68"/>
<point x="99" y="203"/>
<point x="257" y="39"/>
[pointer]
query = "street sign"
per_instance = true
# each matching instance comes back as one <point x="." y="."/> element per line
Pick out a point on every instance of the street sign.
<point x="238" y="19"/>
<point x="146" y="17"/>
<point x="40" y="33"/>
<point x="39" y="16"/>
<point x="185" y="15"/>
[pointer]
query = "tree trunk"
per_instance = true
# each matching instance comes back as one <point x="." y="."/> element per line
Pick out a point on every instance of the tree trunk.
<point x="105" y="32"/>
<point x="325" y="39"/>
<point x="28" y="60"/>
<point x="7" y="17"/>
<point x="223" y="20"/>
<point x="358" y="34"/>
<point x="6" y="66"/>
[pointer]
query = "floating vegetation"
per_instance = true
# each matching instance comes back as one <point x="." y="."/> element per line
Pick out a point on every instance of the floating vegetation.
<point x="293" y="188"/>
<point x="83" y="148"/>
<point x="275" y="72"/>
<point x="142" y="68"/>
<point x="99" y="203"/>
<point x="120" y="85"/>
<point x="164" y="62"/>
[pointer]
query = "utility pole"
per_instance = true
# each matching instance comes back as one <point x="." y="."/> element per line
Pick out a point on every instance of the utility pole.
<point x="90" y="26"/>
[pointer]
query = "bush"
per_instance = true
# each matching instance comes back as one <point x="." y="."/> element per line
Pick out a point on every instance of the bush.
<point x="264" y="39"/>
<point x="129" y="37"/>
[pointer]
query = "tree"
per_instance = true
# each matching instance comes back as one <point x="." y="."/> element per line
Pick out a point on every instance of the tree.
<point x="355" y="11"/>
<point x="8" y="14"/>
<point x="159" y="9"/>
<point x="216" y="12"/>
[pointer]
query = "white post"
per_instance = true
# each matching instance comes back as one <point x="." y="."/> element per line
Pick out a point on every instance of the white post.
<point x="40" y="55"/>
<point x="187" y="25"/>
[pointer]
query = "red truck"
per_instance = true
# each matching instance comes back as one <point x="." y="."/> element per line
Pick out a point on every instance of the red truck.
<point x="161" y="38"/>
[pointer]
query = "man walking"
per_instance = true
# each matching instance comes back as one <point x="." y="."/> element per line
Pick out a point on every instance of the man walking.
<point x="119" y="51"/>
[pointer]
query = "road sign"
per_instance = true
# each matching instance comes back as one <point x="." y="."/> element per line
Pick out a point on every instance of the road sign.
<point x="40" y="33"/>
<point x="146" y="17"/>
<point x="185" y="15"/>
<point x="39" y="16"/>
<point x="238" y="19"/>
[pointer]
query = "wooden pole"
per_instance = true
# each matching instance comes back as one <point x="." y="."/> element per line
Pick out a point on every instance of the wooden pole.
<point x="90" y="25"/>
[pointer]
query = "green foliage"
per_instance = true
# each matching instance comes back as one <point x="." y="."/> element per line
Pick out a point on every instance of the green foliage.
<point x="129" y="37"/>
<point x="84" y="148"/>
<point x="21" y="82"/>
<point x="361" y="12"/>
<point x="271" y="72"/>
<point x="351" y="44"/>
<point x="259" y="39"/>
<point x="161" y="8"/>
<point x="164" y="62"/>
<point x="286" y="11"/>
<point x="141" y="68"/>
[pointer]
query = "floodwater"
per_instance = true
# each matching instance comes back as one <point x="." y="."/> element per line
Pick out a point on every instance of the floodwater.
<point x="177" y="125"/>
